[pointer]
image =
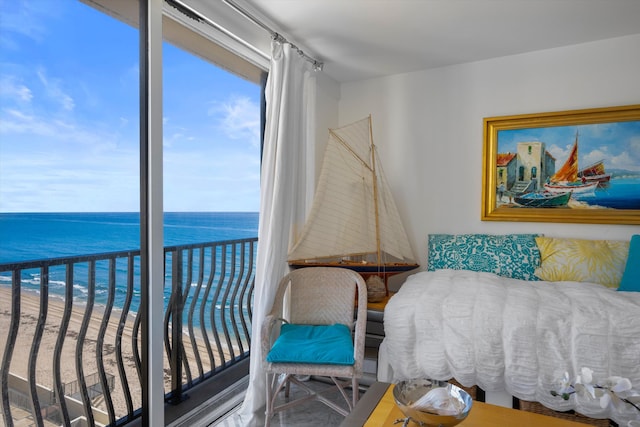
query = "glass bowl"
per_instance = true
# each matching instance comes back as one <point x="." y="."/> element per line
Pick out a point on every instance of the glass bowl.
<point x="406" y="393"/>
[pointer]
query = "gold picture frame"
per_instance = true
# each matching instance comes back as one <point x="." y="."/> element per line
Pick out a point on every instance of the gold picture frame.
<point x="529" y="163"/>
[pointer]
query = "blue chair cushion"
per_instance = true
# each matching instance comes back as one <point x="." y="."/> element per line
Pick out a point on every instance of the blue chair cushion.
<point x="320" y="344"/>
<point x="631" y="276"/>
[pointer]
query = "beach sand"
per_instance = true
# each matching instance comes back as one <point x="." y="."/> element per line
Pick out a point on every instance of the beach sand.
<point x="30" y="306"/>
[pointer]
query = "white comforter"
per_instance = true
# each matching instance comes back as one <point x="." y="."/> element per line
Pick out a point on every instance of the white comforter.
<point x="514" y="335"/>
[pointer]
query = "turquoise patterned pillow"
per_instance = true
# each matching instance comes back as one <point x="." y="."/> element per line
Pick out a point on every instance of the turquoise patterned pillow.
<point x="508" y="255"/>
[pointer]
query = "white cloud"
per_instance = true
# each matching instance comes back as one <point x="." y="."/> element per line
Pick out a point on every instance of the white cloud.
<point x="12" y="89"/>
<point x="15" y="122"/>
<point x="596" y="155"/>
<point x="169" y="140"/>
<point x="239" y="118"/>
<point x="629" y="159"/>
<point x="623" y="161"/>
<point x="634" y="148"/>
<point x="64" y="147"/>
<point x="214" y="181"/>
<point x="69" y="180"/>
<point x="54" y="90"/>
<point x="560" y="154"/>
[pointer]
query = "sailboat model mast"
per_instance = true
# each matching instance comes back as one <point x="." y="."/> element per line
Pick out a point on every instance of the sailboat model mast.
<point x="375" y="192"/>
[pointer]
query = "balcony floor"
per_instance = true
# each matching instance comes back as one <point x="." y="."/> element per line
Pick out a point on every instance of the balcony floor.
<point x="309" y="414"/>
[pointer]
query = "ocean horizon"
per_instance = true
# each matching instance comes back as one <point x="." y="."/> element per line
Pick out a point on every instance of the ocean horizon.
<point x="47" y="235"/>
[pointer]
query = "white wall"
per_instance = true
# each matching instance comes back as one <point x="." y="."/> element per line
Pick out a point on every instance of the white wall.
<point x="326" y="114"/>
<point x="428" y="128"/>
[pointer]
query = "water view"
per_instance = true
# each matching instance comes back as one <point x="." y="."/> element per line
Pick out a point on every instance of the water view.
<point x="35" y="236"/>
<point x="619" y="193"/>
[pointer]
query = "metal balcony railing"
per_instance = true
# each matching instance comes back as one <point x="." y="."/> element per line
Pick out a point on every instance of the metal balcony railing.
<point x="71" y="323"/>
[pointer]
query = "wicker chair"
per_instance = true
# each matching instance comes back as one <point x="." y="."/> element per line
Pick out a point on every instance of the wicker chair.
<point x="316" y="296"/>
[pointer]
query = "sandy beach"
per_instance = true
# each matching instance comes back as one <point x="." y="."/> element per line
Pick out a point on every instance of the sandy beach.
<point x="30" y="306"/>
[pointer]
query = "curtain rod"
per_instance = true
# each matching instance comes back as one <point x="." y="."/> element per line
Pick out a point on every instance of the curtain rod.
<point x="317" y="65"/>
<point x="197" y="16"/>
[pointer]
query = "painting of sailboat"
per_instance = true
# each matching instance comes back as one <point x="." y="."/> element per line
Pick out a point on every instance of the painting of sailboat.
<point x="569" y="166"/>
<point x="528" y="176"/>
<point x="353" y="221"/>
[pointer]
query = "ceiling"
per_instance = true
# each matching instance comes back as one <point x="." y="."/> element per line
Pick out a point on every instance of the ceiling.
<point x="361" y="39"/>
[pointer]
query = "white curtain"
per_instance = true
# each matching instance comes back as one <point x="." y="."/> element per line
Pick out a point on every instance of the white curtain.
<point x="290" y="96"/>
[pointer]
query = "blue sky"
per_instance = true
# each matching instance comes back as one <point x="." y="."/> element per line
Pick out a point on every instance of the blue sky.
<point x="69" y="127"/>
<point x="618" y="144"/>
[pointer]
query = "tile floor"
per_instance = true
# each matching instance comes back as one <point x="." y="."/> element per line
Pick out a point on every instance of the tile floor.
<point x="308" y="414"/>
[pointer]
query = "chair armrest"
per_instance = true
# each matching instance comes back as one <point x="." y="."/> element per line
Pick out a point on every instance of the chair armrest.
<point x="360" y="328"/>
<point x="266" y="335"/>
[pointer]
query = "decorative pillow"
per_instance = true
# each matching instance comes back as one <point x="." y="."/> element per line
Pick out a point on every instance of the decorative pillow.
<point x="509" y="255"/>
<point x="323" y="344"/>
<point x="631" y="276"/>
<point x="596" y="261"/>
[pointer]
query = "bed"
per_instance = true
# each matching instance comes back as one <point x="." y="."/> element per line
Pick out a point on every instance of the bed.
<point x="503" y="329"/>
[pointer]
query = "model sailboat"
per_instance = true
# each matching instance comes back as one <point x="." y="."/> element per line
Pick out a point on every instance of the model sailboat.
<point x="354" y="221"/>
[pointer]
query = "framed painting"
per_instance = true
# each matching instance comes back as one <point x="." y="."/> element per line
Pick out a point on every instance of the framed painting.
<point x="579" y="166"/>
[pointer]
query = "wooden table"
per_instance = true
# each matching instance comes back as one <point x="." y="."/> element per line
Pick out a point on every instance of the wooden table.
<point x="380" y="305"/>
<point x="378" y="409"/>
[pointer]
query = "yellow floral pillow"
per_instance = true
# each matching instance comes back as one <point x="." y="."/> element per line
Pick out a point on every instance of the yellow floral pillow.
<point x="596" y="261"/>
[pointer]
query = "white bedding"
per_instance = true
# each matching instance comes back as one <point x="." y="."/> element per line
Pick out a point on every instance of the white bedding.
<point x="513" y="335"/>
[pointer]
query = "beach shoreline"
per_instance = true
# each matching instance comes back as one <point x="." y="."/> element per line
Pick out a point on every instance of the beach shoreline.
<point x="87" y="357"/>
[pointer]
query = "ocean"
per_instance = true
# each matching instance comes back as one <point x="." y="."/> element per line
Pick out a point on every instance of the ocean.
<point x="37" y="236"/>
<point x="34" y="236"/>
<point x="619" y="193"/>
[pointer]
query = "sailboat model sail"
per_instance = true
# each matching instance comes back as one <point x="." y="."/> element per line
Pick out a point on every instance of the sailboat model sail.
<point x="353" y="219"/>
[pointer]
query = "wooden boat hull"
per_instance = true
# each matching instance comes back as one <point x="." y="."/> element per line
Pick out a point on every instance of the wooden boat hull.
<point x="587" y="187"/>
<point x="604" y="178"/>
<point x="359" y="267"/>
<point x="543" y="200"/>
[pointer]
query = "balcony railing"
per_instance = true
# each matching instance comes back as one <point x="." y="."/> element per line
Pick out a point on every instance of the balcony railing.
<point x="70" y="337"/>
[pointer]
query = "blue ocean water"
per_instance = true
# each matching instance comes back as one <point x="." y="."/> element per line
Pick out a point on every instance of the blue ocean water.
<point x="619" y="193"/>
<point x="36" y="236"/>
<point x="32" y="236"/>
